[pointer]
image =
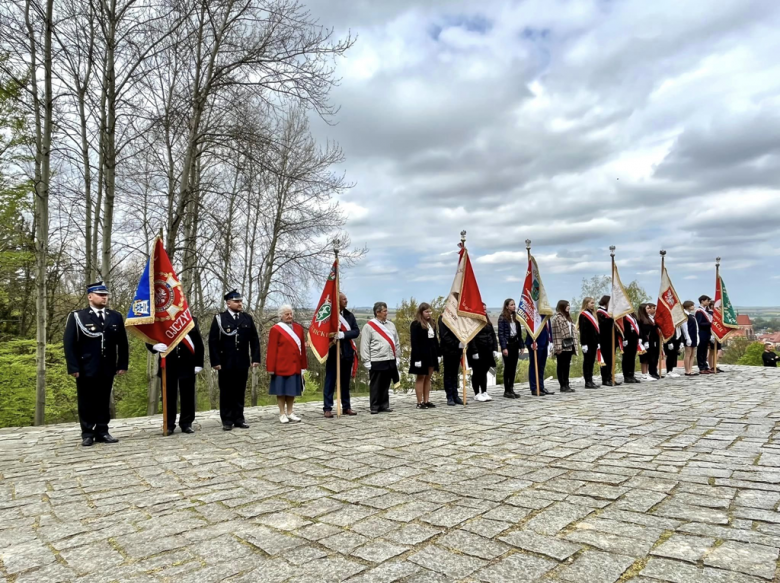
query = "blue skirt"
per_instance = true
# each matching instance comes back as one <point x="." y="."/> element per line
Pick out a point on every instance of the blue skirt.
<point x="291" y="386"/>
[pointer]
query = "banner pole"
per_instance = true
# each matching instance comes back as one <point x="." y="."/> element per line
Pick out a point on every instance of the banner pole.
<point x="614" y="358"/>
<point x="463" y="359"/>
<point x="164" y="395"/>
<point x="717" y="281"/>
<point x="338" y="342"/>
<point x="536" y="360"/>
<point x="660" y="334"/>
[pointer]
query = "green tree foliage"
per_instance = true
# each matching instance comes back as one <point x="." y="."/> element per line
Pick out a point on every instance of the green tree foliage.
<point x="404" y="316"/>
<point x="734" y="350"/>
<point x="601" y="285"/>
<point x="752" y="356"/>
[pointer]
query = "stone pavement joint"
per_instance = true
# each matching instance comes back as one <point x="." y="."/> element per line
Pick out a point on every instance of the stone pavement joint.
<point x="674" y="481"/>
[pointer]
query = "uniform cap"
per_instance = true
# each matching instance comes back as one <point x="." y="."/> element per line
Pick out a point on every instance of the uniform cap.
<point x="97" y="288"/>
<point x="233" y="295"/>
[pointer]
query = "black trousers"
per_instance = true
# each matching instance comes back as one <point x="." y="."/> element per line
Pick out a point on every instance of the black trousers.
<point x="609" y="358"/>
<point x="479" y="372"/>
<point x="541" y="360"/>
<point x="329" y="392"/>
<point x="510" y="364"/>
<point x="702" y="350"/>
<point x="629" y="360"/>
<point x="232" y="393"/>
<point x="588" y="362"/>
<point x="672" y="354"/>
<point x="563" y="365"/>
<point x="93" y="396"/>
<point x="451" y="365"/>
<point x="184" y="389"/>
<point x="653" y="354"/>
<point x="379" y="389"/>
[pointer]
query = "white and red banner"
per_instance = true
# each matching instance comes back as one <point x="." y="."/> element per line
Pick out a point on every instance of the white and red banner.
<point x="463" y="312"/>
<point x="533" y="308"/>
<point x="669" y="313"/>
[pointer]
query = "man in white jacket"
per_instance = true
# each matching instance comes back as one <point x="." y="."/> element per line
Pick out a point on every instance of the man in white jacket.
<point x="380" y="348"/>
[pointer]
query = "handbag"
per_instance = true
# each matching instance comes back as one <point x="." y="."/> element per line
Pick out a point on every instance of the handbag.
<point x="568" y="344"/>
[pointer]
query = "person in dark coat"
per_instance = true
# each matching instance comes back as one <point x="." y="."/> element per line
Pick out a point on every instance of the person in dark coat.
<point x="481" y="353"/>
<point x="425" y="354"/>
<point x="451" y="351"/>
<point x="96" y="350"/>
<point x="588" y="326"/>
<point x="348" y="332"/>
<point x="608" y="339"/>
<point x="234" y="347"/>
<point x="704" y="320"/>
<point x="182" y="365"/>
<point x="631" y="340"/>
<point x="510" y="340"/>
<point x="769" y="357"/>
<point x="542" y="348"/>
<point x="648" y="331"/>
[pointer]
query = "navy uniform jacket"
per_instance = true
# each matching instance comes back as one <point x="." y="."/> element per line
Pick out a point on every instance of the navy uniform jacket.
<point x="181" y="362"/>
<point x="95" y="356"/>
<point x="233" y="352"/>
<point x="352" y="334"/>
<point x="542" y="341"/>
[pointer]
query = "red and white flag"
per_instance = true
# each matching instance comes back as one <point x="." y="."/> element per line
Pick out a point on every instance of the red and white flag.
<point x="463" y="312"/>
<point x="533" y="308"/>
<point x="669" y="313"/>
<point x="325" y="321"/>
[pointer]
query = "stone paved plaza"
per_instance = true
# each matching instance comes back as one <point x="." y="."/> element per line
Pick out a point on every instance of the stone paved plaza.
<point x="676" y="481"/>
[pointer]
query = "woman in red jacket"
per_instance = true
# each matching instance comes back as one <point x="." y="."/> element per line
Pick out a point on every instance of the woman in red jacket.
<point x="286" y="362"/>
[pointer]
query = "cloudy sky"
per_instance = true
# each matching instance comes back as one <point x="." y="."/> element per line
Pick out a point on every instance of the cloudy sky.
<point x="576" y="123"/>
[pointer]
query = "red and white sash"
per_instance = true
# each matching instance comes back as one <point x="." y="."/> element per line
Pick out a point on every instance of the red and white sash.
<point x="345" y="327"/>
<point x="640" y="347"/>
<point x="604" y="313"/>
<point x="289" y="331"/>
<point x="189" y="343"/>
<point x="593" y="320"/>
<point x="706" y="314"/>
<point x="379" y="329"/>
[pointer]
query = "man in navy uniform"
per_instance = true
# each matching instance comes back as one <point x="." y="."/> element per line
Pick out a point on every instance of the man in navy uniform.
<point x="182" y="365"/>
<point x="96" y="350"/>
<point x="234" y="346"/>
<point x="348" y="331"/>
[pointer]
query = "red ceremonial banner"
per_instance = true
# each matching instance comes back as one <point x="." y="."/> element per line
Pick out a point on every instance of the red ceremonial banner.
<point x="326" y="317"/>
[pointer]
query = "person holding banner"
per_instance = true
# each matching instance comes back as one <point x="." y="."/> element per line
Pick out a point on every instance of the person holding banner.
<point x="564" y="343"/>
<point x="379" y="349"/>
<point x="691" y="334"/>
<point x="648" y="331"/>
<point x="286" y="362"/>
<point x="348" y="331"/>
<point x="481" y="354"/>
<point x="510" y="339"/>
<point x="182" y="365"/>
<point x="607" y="342"/>
<point x="96" y="350"/>
<point x="451" y="353"/>
<point x="234" y="347"/>
<point x="704" y="320"/>
<point x="424" y="359"/>
<point x="632" y="344"/>
<point x="588" y="326"/>
<point x="541" y="346"/>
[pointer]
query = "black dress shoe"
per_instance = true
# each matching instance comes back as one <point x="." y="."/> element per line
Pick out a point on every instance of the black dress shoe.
<point x="227" y="428"/>
<point x="458" y="401"/>
<point x="168" y="432"/>
<point x="541" y="394"/>
<point x="591" y="385"/>
<point x="87" y="441"/>
<point x="451" y="402"/>
<point x="509" y="395"/>
<point x="430" y="405"/>
<point x="567" y="390"/>
<point x="606" y="384"/>
<point x="374" y="411"/>
<point x="421" y="406"/>
<point x="187" y="429"/>
<point x="385" y="410"/>
<point x="546" y="392"/>
<point x="241" y="425"/>
<point x="106" y="438"/>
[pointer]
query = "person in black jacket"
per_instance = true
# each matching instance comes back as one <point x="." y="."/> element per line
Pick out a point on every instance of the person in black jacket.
<point x="234" y="346"/>
<point x="649" y="333"/>
<point x="588" y="325"/>
<point x="425" y="354"/>
<point x="510" y="339"/>
<point x="768" y="357"/>
<point x="96" y="350"/>
<point x="451" y="352"/>
<point x="348" y="332"/>
<point x="182" y="366"/>
<point x="481" y="353"/>
<point x="608" y="339"/>
<point x="631" y="340"/>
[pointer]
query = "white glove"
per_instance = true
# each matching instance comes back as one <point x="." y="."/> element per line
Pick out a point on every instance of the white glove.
<point x="160" y="347"/>
<point x="367" y="364"/>
<point x="198" y="369"/>
<point x="303" y="371"/>
<point x="670" y="346"/>
<point x="584" y="349"/>
<point x="475" y="356"/>
<point x="689" y="343"/>
<point x="625" y="343"/>
<point x="496" y="355"/>
<point x="598" y="346"/>
<point x="460" y="345"/>
<point x="549" y="350"/>
<point x="341" y="335"/>
<point x="440" y="359"/>
<point x="646" y="345"/>
<point x="397" y="362"/>
<point x="712" y="340"/>
<point x="418" y="364"/>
